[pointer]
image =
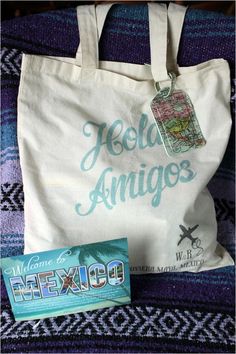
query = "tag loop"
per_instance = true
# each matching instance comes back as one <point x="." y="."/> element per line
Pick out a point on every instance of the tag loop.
<point x="172" y="76"/>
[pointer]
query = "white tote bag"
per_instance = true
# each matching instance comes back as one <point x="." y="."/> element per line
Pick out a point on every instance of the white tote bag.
<point x="93" y="163"/>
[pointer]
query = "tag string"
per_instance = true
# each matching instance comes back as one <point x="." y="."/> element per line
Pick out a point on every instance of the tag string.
<point x="172" y="85"/>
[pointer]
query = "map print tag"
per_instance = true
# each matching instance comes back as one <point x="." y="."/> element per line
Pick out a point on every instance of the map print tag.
<point x="176" y="120"/>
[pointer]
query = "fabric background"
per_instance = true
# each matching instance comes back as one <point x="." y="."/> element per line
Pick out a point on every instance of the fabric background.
<point x="180" y="312"/>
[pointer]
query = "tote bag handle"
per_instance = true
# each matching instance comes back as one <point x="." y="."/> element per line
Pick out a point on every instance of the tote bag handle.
<point x="90" y="27"/>
<point x="176" y="15"/>
<point x="88" y="36"/>
<point x="158" y="40"/>
<point x="101" y="14"/>
<point x="165" y="34"/>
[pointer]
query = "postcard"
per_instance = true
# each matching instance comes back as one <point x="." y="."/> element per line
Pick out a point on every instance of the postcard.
<point x="68" y="280"/>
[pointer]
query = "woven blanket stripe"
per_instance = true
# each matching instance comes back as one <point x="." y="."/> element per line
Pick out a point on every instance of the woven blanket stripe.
<point x="180" y="312"/>
<point x="13" y="241"/>
<point x="193" y="328"/>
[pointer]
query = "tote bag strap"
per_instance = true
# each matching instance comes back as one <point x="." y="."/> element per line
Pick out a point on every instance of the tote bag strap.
<point x="87" y="22"/>
<point x="176" y="15"/>
<point x="88" y="36"/>
<point x="158" y="32"/>
<point x="101" y="14"/>
<point x="158" y="40"/>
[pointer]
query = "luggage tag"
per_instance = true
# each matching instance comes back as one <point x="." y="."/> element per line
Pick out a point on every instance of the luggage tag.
<point x="176" y="119"/>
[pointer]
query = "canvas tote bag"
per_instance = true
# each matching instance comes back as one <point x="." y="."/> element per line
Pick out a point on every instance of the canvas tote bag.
<point x="93" y="162"/>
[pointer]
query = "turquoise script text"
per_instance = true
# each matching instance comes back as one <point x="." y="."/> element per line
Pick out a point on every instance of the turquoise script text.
<point x="110" y="190"/>
<point x="119" y="139"/>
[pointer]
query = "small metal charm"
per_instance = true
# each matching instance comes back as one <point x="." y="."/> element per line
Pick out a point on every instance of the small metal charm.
<point x="176" y="119"/>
